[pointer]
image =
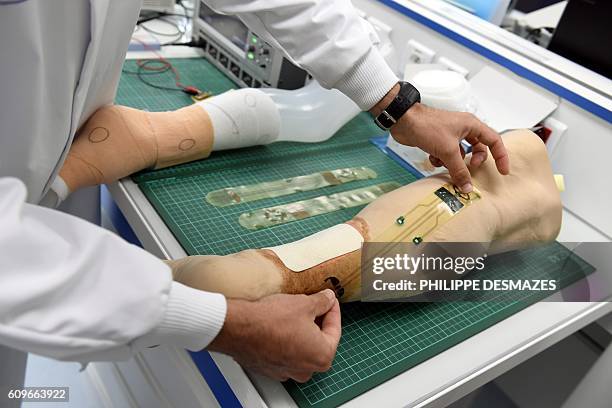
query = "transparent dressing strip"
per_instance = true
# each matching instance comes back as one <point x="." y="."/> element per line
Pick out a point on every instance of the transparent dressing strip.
<point x="282" y="214"/>
<point x="277" y="188"/>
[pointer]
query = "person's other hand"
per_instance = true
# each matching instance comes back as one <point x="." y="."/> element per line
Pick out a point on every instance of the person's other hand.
<point x="282" y="336"/>
<point x="440" y="132"/>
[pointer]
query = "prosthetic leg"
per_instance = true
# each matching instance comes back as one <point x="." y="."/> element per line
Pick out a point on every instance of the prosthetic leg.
<point x="513" y="211"/>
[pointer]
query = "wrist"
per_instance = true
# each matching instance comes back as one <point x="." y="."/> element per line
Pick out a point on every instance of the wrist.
<point x="235" y="327"/>
<point x="408" y="118"/>
<point x="386" y="100"/>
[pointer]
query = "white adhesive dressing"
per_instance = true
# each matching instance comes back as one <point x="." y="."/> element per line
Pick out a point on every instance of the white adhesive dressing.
<point x="318" y="248"/>
<point x="242" y="118"/>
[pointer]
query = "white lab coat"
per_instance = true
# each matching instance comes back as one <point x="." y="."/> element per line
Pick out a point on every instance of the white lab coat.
<point x="69" y="289"/>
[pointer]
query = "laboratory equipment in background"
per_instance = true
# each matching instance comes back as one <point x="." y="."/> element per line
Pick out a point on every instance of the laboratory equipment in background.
<point x="583" y="35"/>
<point x="241" y="54"/>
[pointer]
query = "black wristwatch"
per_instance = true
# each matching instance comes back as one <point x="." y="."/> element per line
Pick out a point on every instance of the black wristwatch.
<point x="407" y="96"/>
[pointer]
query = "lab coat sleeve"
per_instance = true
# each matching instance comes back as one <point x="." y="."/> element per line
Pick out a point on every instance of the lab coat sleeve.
<point x="325" y="37"/>
<point x="74" y="291"/>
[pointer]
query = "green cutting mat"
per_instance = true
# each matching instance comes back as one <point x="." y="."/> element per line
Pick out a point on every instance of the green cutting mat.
<point x="379" y="340"/>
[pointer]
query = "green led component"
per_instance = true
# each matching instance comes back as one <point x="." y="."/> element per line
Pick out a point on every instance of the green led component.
<point x="400" y="220"/>
<point x="250" y="55"/>
<point x="282" y="214"/>
<point x="278" y="188"/>
<point x="254" y="40"/>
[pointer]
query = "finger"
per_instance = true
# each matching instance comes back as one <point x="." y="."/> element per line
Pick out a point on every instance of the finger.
<point x="479" y="154"/>
<point x="435" y="161"/>
<point x="458" y="171"/>
<point x="275" y="373"/>
<point x="331" y="326"/>
<point x="300" y="376"/>
<point x="480" y="132"/>
<point x="321" y="302"/>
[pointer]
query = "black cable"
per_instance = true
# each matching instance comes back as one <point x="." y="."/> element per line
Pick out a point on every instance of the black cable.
<point x="177" y="35"/>
<point x="144" y="72"/>
<point x="178" y="32"/>
<point x="142" y="79"/>
<point x="165" y="67"/>
<point x="182" y="4"/>
<point x="160" y="14"/>
<point x="185" y="44"/>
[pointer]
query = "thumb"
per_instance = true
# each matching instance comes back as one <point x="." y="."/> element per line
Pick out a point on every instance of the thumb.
<point x="322" y="302"/>
<point x="331" y="324"/>
<point x="458" y="171"/>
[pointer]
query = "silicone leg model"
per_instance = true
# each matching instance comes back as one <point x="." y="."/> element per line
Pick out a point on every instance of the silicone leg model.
<point x="517" y="210"/>
<point x="118" y="141"/>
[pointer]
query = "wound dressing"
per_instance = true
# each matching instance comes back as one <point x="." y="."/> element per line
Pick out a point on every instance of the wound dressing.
<point x="282" y="214"/>
<point x="242" y="118"/>
<point x="282" y="187"/>
<point x="315" y="249"/>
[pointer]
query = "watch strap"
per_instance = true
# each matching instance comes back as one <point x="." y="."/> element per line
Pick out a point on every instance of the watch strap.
<point x="407" y="96"/>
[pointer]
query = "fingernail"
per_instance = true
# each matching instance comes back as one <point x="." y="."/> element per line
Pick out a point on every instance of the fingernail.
<point x="467" y="188"/>
<point x="330" y="294"/>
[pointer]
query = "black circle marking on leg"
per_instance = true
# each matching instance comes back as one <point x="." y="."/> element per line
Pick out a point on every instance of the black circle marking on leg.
<point x="186" y="144"/>
<point x="98" y="134"/>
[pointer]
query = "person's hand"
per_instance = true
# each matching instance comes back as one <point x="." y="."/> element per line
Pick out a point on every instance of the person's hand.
<point x="282" y="336"/>
<point x="440" y="132"/>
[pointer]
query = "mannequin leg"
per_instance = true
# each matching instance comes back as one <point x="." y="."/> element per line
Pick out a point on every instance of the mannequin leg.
<point x="118" y="141"/>
<point x="517" y="210"/>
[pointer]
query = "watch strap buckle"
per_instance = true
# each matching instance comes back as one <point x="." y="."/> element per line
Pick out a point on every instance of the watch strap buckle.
<point x="384" y="114"/>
